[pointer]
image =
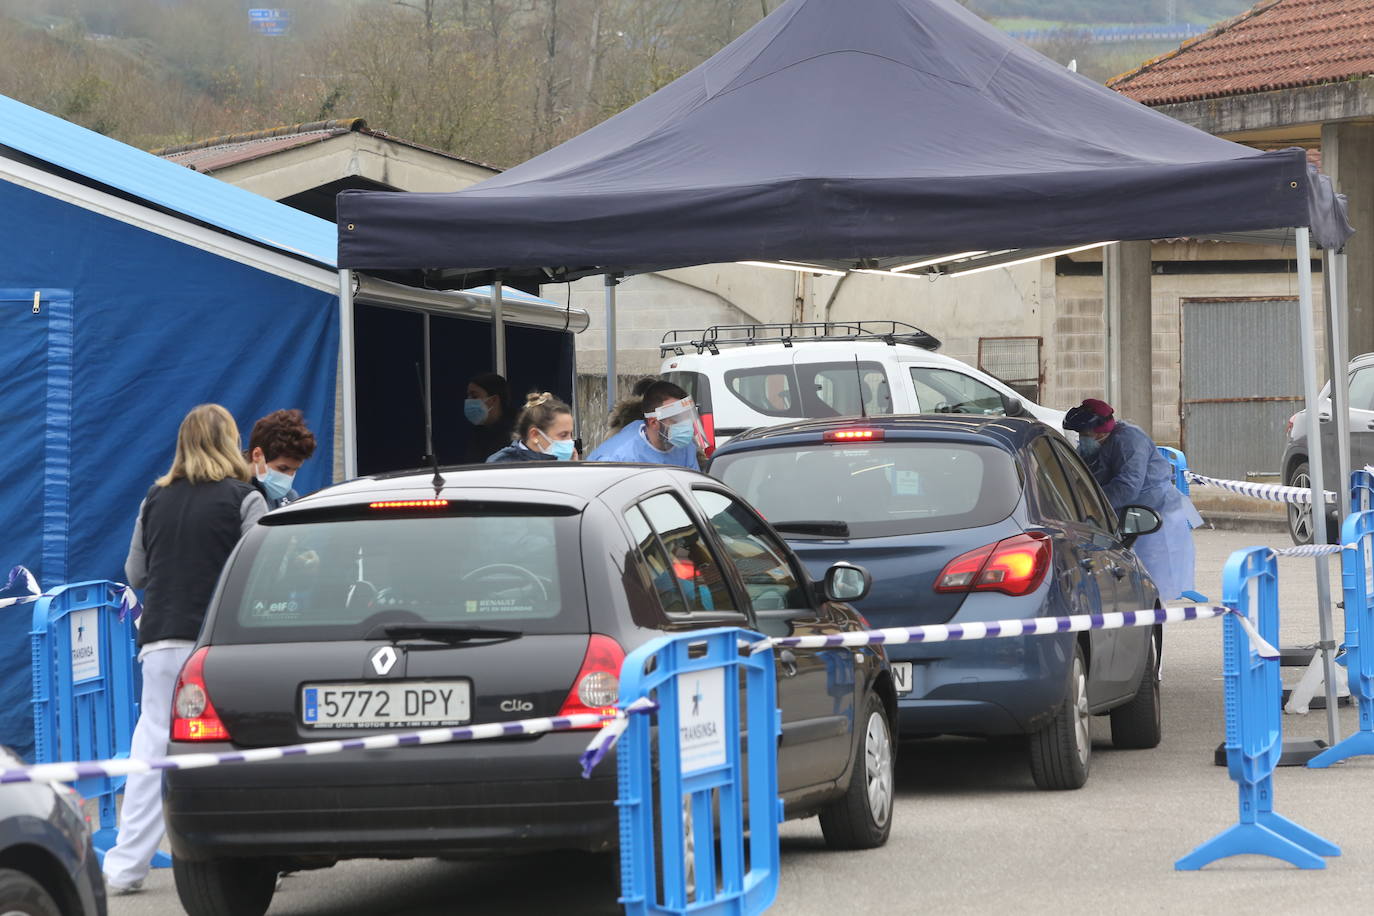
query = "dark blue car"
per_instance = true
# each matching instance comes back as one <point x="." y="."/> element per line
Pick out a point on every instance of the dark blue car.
<point x="965" y="518"/>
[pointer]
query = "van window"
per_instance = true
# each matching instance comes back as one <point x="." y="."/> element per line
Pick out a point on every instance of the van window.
<point x="947" y="391"/>
<point x="830" y="389"/>
<point x="770" y="390"/>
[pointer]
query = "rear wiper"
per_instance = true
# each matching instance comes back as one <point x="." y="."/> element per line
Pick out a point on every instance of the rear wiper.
<point x="440" y="632"/>
<point x="832" y="528"/>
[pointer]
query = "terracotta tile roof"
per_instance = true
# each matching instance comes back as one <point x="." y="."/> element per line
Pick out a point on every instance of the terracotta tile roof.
<point x="1277" y="44"/>
<point x="220" y="152"/>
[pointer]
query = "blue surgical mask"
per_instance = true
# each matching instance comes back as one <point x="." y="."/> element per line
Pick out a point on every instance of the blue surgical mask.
<point x="475" y="409"/>
<point x="562" y="449"/>
<point x="680" y="434"/>
<point x="1087" y="445"/>
<point x="276" y="483"/>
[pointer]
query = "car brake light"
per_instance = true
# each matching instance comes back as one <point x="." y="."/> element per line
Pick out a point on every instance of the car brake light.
<point x="1014" y="566"/>
<point x="597" y="685"/>
<point x="853" y="435"/>
<point x="409" y="504"/>
<point x="1288" y="429"/>
<point x="708" y="429"/>
<point x="193" y="715"/>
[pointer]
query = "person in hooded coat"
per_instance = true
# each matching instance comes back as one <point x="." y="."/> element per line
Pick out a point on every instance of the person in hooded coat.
<point x="1132" y="472"/>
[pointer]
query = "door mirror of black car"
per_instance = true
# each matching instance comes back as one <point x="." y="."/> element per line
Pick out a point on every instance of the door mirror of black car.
<point x="847" y="582"/>
<point x="1013" y="407"/>
<point x="1138" y="520"/>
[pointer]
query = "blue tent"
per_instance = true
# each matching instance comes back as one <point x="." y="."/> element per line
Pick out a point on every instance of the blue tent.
<point x="132" y="289"/>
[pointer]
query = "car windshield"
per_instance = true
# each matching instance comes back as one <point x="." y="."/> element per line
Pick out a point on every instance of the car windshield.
<point x="349" y="578"/>
<point x="878" y="489"/>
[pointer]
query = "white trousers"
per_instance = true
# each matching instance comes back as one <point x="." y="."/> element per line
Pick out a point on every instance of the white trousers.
<point x="140" y="819"/>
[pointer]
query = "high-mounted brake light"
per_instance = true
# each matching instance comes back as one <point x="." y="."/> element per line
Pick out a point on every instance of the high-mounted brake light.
<point x="193" y="715"/>
<point x="854" y="435"/>
<point x="597" y="685"/>
<point x="409" y="504"/>
<point x="1014" y="566"/>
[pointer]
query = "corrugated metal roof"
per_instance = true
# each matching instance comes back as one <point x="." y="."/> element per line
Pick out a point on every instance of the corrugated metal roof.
<point x="165" y="184"/>
<point x="174" y="187"/>
<point x="1277" y="44"/>
<point x="213" y="158"/>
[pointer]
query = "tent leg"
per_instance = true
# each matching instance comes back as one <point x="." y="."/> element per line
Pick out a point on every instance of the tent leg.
<point x="348" y="378"/>
<point x="1339" y="345"/>
<point x="611" y="342"/>
<point x="498" y="329"/>
<point x="1327" y="644"/>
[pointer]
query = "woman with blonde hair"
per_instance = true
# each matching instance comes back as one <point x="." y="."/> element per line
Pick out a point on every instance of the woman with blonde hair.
<point x="187" y="525"/>
<point x="544" y="432"/>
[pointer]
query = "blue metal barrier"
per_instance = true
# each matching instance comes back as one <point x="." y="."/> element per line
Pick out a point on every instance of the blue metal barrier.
<point x="1357" y="566"/>
<point x="1179" y="462"/>
<point x="1254" y="727"/>
<point x="1361" y="491"/>
<point x="671" y="860"/>
<point x="84" y="707"/>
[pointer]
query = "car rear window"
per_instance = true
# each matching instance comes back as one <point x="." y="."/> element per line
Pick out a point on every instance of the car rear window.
<point x="338" y="580"/>
<point x="879" y="490"/>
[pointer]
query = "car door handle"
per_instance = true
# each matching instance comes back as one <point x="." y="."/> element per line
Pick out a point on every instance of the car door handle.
<point x="789" y="662"/>
<point x="1118" y="571"/>
<point x="1086" y="562"/>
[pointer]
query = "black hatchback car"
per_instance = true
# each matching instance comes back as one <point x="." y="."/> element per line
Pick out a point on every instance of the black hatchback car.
<point x="513" y="592"/>
<point x="47" y="864"/>
<point x="968" y="518"/>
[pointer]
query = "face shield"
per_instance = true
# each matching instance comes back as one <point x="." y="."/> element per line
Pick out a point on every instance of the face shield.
<point x="681" y="423"/>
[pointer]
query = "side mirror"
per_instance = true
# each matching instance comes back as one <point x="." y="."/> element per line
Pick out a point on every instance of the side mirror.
<point x="1013" y="407"/>
<point x="1138" y="520"/>
<point x="847" y="582"/>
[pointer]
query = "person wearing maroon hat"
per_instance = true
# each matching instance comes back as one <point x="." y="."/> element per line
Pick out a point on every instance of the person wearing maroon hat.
<point x="1132" y="472"/>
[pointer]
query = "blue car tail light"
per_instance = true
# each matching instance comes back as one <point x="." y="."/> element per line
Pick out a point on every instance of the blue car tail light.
<point x="1014" y="566"/>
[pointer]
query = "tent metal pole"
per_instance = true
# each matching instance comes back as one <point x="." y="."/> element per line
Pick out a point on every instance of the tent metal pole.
<point x="611" y="341"/>
<point x="1337" y="345"/>
<point x="498" y="328"/>
<point x="348" y="376"/>
<point x="1111" y="316"/>
<point x="1327" y="645"/>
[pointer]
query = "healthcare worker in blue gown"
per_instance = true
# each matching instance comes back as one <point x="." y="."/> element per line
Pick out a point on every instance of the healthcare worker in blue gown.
<point x="668" y="433"/>
<point x="1132" y="472"/>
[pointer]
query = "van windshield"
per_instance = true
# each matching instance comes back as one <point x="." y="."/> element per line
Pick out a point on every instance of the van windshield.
<point x="339" y="580"/>
<point x="880" y="489"/>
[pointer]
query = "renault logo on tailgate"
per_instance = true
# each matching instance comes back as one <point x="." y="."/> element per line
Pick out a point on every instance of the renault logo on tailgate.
<point x="383" y="660"/>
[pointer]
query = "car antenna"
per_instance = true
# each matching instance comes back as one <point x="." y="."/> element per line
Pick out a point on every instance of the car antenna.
<point x="429" y="431"/>
<point x="859" y="378"/>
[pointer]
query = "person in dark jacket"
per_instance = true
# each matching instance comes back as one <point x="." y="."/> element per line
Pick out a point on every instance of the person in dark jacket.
<point x="279" y="444"/>
<point x="544" y="432"/>
<point x="187" y="525"/>
<point x="486" y="408"/>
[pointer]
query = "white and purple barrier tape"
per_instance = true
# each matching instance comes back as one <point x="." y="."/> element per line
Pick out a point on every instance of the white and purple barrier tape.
<point x="614" y="726"/>
<point x="1033" y="626"/>
<point x="71" y="772"/>
<point x="1270" y="491"/>
<point x="1309" y="550"/>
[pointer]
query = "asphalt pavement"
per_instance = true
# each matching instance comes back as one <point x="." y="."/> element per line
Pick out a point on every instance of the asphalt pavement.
<point x="971" y="833"/>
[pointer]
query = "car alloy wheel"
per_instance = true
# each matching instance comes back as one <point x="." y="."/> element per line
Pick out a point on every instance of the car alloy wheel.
<point x="1082" y="718"/>
<point x="878" y="768"/>
<point x="1300" y="514"/>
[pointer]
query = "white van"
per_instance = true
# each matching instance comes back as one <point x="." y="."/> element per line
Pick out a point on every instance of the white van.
<point x="744" y="376"/>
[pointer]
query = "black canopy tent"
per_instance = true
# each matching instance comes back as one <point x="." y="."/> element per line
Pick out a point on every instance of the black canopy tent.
<point x="860" y="134"/>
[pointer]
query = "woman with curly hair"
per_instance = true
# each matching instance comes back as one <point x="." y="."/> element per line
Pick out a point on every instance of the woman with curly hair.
<point x="280" y="443"/>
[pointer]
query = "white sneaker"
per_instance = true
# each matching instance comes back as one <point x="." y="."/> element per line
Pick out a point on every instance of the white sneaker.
<point x="119" y="890"/>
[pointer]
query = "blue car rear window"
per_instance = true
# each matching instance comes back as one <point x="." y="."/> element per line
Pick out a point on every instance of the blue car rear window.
<point x="343" y="579"/>
<point x="879" y="489"/>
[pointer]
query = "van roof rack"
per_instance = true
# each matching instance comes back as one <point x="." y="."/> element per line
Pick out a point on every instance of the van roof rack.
<point x="710" y="340"/>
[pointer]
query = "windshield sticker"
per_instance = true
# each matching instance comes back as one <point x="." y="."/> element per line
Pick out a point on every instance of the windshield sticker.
<point x="499" y="606"/>
<point x="908" y="483"/>
<point x="289" y="607"/>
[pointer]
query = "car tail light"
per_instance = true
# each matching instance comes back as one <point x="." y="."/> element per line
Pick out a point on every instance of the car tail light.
<point x="193" y="715"/>
<point x="1014" y="566"/>
<point x="708" y="429"/>
<point x="853" y="435"/>
<point x="1288" y="428"/>
<point x="409" y="504"/>
<point x="597" y="685"/>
